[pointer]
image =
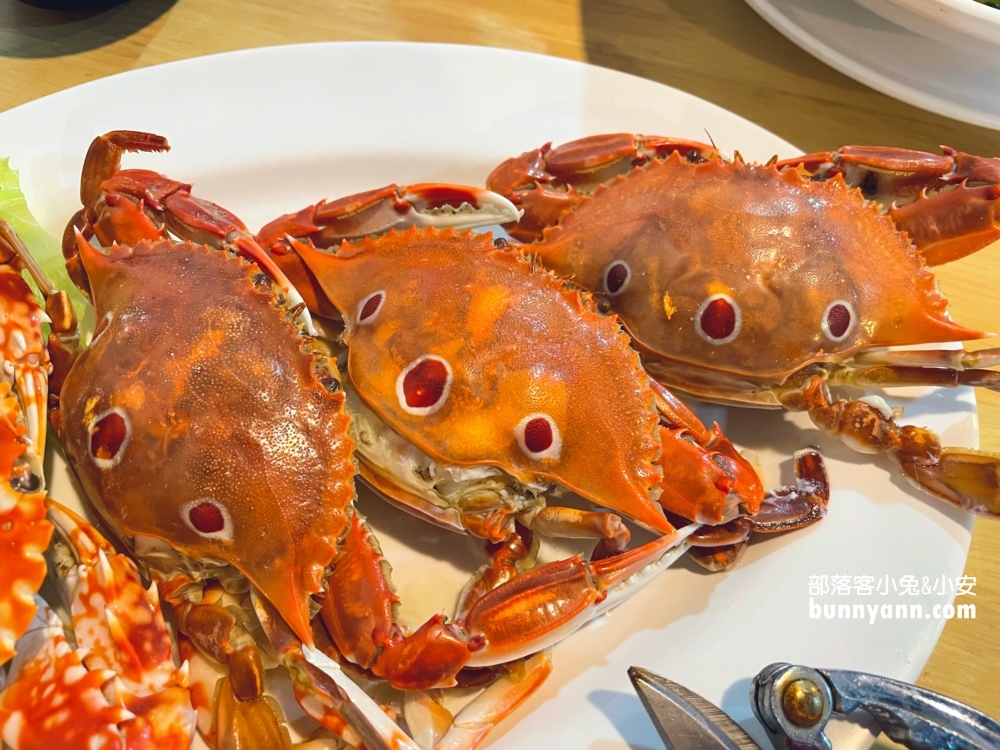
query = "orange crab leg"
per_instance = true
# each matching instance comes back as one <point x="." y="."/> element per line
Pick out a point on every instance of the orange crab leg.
<point x="104" y="158"/>
<point x="784" y="509"/>
<point x="948" y="226"/>
<point x="136" y="205"/>
<point x="24" y="532"/>
<point x="965" y="478"/>
<point x="949" y="203"/>
<point x="547" y="182"/>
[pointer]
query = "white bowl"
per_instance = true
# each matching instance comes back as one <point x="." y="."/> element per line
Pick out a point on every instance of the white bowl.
<point x="964" y="23"/>
<point x="941" y="55"/>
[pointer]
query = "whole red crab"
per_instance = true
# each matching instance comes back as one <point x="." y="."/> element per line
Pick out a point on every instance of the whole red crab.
<point x="766" y="284"/>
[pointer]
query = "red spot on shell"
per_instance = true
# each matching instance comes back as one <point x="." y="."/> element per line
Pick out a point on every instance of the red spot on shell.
<point x="838" y="320"/>
<point x="616" y="277"/>
<point x="424" y="385"/>
<point x="370" y="307"/>
<point x="718" y="319"/>
<point x="207" y="518"/>
<point x="108" y="435"/>
<point x="538" y="435"/>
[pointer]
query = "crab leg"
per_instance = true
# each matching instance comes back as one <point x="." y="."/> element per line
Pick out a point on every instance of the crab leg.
<point x="948" y="204"/>
<point x="64" y="337"/>
<point x="708" y="455"/>
<point x="958" y="359"/>
<point x="498" y="701"/>
<point x="900" y="375"/>
<point x="135" y="205"/>
<point x="965" y="478"/>
<point x="241" y="717"/>
<point x="324" y="691"/>
<point x="546" y="182"/>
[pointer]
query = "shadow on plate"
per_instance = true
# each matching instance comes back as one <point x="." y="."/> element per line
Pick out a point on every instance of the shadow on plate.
<point x="625" y="711"/>
<point x="52" y="28"/>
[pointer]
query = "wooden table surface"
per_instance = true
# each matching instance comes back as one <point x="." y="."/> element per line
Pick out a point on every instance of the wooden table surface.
<point x="717" y="49"/>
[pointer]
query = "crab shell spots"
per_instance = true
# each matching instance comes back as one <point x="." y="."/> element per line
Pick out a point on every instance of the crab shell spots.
<point x="110" y="432"/>
<point x="539" y="438"/>
<point x="370" y="306"/>
<point x="782" y="246"/>
<point x="838" y="320"/>
<point x="208" y="518"/>
<point x="719" y="319"/>
<point x="616" y="278"/>
<point x="423" y="386"/>
<point x="224" y="407"/>
<point x="519" y="343"/>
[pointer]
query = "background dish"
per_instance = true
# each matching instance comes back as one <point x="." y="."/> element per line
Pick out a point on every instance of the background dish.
<point x="293" y="124"/>
<point x="927" y="64"/>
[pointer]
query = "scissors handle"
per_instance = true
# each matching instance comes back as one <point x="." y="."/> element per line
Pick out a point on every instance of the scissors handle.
<point x="794" y="704"/>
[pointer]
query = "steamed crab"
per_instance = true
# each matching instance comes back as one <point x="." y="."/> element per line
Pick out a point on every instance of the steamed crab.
<point x="766" y="284"/>
<point x="177" y="420"/>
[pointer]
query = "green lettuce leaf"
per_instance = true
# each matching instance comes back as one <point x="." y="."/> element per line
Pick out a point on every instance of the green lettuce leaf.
<point x="46" y="249"/>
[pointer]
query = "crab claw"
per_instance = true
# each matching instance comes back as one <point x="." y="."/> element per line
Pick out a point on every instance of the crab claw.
<point x="948" y="203"/>
<point x="541" y="607"/>
<point x="119" y="623"/>
<point x="375" y="212"/>
<point x="23" y="351"/>
<point x="547" y="182"/>
<point x="786" y="508"/>
<point x="712" y="480"/>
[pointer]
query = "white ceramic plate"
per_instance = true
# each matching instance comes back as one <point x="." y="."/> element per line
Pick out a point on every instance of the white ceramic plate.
<point x="267" y="131"/>
<point x="898" y="52"/>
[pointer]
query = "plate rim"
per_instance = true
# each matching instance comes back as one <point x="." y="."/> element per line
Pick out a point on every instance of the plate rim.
<point x="25" y="109"/>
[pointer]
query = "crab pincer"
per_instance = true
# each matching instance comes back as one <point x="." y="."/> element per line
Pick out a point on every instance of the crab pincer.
<point x="948" y="204"/>
<point x="754" y="284"/>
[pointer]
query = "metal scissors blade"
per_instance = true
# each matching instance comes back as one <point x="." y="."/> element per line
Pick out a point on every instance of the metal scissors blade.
<point x="685" y="720"/>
